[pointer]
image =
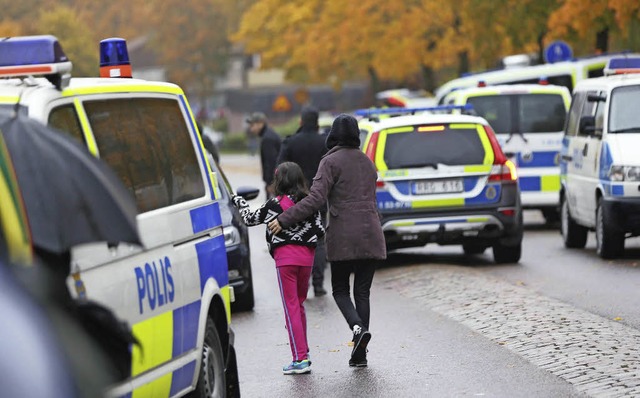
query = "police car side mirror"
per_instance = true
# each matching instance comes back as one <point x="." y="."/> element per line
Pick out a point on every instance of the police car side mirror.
<point x="596" y="98"/>
<point x="587" y="125"/>
<point x="248" y="193"/>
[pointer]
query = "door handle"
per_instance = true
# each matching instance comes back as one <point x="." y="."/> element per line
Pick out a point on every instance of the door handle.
<point x="567" y="158"/>
<point x="585" y="149"/>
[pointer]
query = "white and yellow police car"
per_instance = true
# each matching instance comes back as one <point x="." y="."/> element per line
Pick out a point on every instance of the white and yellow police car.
<point x="174" y="291"/>
<point x="601" y="160"/>
<point x="564" y="73"/>
<point x="443" y="178"/>
<point x="528" y="120"/>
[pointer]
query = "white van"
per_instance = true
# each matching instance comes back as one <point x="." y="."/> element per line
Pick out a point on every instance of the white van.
<point x="600" y="162"/>
<point x="565" y="73"/>
<point x="174" y="291"/>
<point x="528" y="120"/>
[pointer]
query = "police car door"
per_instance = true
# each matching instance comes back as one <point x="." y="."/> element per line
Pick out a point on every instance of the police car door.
<point x="146" y="139"/>
<point x="581" y="155"/>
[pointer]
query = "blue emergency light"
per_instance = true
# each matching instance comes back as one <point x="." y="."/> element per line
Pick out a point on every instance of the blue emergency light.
<point x="114" y="58"/>
<point x="622" y="65"/>
<point x="30" y="50"/>
<point x="412" y="111"/>
<point x="34" y="56"/>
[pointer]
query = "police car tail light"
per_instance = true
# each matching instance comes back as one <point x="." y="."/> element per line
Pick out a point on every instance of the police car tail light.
<point x="624" y="173"/>
<point x="372" y="146"/>
<point x="506" y="170"/>
<point x="370" y="151"/>
<point x="543" y="81"/>
<point x="482" y="83"/>
<point x="391" y="101"/>
<point x="34" y="56"/>
<point x="622" y="65"/>
<point x="114" y="58"/>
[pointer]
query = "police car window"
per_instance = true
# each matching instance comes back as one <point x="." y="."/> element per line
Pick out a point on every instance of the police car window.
<point x="597" y="72"/>
<point x="147" y="143"/>
<point x="452" y="147"/>
<point x="587" y="109"/>
<point x="541" y="113"/>
<point x="496" y="109"/>
<point x="623" y="114"/>
<point x="65" y="119"/>
<point x="574" y="113"/>
<point x="559" y="80"/>
<point x="600" y="107"/>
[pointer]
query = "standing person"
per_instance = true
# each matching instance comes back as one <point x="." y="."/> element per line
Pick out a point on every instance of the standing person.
<point x="270" y="143"/>
<point x="346" y="179"/>
<point x="293" y="250"/>
<point x="306" y="147"/>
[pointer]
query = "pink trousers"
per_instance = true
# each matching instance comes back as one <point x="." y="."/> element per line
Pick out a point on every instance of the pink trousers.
<point x="294" y="283"/>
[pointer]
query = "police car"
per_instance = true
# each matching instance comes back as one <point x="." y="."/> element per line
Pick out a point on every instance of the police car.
<point x="443" y="178"/>
<point x="564" y="73"/>
<point x="528" y="120"/>
<point x="174" y="291"/>
<point x="600" y="167"/>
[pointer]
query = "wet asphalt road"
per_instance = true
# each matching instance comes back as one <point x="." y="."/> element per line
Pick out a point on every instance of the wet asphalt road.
<point x="559" y="324"/>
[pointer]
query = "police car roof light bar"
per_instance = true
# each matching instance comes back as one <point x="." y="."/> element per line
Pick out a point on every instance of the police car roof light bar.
<point x="114" y="58"/>
<point x="622" y="65"/>
<point x="412" y="111"/>
<point x="34" y="56"/>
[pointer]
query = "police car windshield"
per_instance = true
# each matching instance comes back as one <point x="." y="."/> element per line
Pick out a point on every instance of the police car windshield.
<point x="623" y="115"/>
<point x="451" y="147"/>
<point x="522" y="113"/>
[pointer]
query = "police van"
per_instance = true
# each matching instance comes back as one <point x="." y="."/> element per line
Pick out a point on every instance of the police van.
<point x="600" y="161"/>
<point x="528" y="120"/>
<point x="174" y="291"/>
<point x="565" y="73"/>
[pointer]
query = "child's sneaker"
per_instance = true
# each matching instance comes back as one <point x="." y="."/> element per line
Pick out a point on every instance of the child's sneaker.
<point x="297" y="367"/>
<point x="361" y="339"/>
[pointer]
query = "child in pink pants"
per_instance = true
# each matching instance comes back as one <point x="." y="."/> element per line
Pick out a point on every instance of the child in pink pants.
<point x="293" y="250"/>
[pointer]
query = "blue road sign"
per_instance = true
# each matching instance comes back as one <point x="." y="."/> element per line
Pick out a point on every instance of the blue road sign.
<point x="557" y="51"/>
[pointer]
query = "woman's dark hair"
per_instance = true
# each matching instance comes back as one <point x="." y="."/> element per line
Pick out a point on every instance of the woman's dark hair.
<point x="289" y="180"/>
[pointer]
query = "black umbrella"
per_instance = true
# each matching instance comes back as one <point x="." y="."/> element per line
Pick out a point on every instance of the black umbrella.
<point x="70" y="196"/>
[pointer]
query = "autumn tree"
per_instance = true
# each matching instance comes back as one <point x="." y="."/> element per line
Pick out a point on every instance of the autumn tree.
<point x="594" y="20"/>
<point x="74" y="36"/>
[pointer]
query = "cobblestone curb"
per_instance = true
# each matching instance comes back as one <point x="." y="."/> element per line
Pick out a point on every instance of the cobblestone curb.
<point x="600" y="357"/>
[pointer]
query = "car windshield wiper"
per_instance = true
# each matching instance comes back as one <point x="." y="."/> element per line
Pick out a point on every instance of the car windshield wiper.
<point x="520" y="134"/>
<point x="417" y="165"/>
<point x="627" y="130"/>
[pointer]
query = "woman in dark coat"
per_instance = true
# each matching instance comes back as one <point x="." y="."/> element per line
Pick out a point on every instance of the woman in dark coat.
<point x="346" y="180"/>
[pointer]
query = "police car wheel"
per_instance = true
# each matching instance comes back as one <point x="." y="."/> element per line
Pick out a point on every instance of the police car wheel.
<point x="473" y="248"/>
<point x="503" y="254"/>
<point x="211" y="383"/>
<point x="573" y="235"/>
<point x="551" y="216"/>
<point x="609" y="239"/>
<point x="244" y="301"/>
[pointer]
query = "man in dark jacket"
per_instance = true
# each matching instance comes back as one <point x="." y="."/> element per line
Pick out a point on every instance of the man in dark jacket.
<point x="270" y="143"/>
<point x="306" y="147"/>
<point x="346" y="180"/>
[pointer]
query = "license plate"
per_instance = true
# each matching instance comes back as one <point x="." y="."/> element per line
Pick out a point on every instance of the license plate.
<point x="438" y="186"/>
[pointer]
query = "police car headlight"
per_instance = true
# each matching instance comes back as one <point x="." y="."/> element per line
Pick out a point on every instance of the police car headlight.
<point x="632" y="173"/>
<point x="624" y="173"/>
<point x="616" y="173"/>
<point x="231" y="236"/>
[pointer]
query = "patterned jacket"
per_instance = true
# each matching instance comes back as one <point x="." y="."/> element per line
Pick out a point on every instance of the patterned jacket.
<point x="305" y="233"/>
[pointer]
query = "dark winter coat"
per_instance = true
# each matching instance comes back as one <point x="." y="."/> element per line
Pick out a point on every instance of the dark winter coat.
<point x="305" y="233"/>
<point x="306" y="148"/>
<point x="270" y="143"/>
<point x="346" y="179"/>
